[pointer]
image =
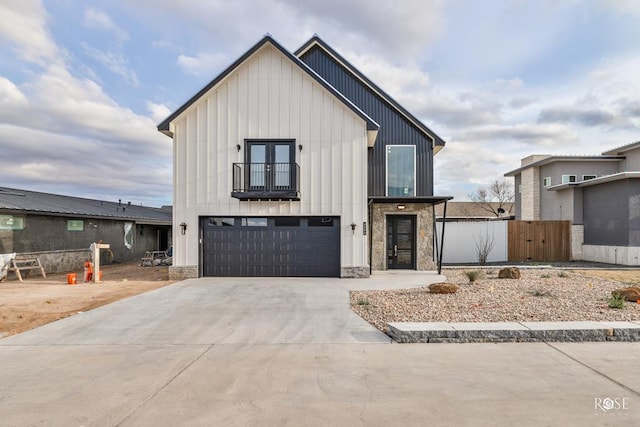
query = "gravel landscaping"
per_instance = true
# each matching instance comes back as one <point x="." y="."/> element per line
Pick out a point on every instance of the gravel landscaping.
<point x="540" y="295"/>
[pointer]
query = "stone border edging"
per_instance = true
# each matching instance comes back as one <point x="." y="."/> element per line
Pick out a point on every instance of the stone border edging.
<point x="461" y="332"/>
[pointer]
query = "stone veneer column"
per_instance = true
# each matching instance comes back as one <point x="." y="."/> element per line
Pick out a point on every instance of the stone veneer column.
<point x="424" y="234"/>
<point x="530" y="196"/>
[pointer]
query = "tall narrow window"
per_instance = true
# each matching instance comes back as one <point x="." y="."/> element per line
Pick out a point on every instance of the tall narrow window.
<point x="401" y="170"/>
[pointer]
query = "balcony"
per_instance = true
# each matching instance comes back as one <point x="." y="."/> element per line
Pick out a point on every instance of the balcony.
<point x="266" y="181"/>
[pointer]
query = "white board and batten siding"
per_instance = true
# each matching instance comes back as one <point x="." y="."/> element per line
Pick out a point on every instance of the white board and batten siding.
<point x="460" y="239"/>
<point x="268" y="97"/>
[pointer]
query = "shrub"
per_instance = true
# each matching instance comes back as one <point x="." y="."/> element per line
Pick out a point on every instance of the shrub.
<point x="546" y="276"/>
<point x="563" y="274"/>
<point x="473" y="275"/>
<point x="363" y="301"/>
<point x="617" y="301"/>
<point x="541" y="293"/>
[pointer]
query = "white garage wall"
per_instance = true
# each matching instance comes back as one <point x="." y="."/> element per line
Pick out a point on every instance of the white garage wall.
<point x="460" y="239"/>
<point x="269" y="96"/>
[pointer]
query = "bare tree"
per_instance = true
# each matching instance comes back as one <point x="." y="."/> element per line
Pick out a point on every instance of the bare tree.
<point x="497" y="198"/>
<point x="484" y="246"/>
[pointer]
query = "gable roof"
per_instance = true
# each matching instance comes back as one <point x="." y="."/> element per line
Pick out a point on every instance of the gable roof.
<point x="34" y="202"/>
<point x="317" y="41"/>
<point x="164" y="125"/>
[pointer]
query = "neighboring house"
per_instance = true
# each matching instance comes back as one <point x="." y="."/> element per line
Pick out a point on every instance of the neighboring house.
<point x="298" y="165"/>
<point x="61" y="228"/>
<point x="474" y="211"/>
<point x="600" y="195"/>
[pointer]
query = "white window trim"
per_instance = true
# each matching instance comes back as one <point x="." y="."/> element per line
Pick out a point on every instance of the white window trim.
<point x="568" y="179"/>
<point x="591" y="176"/>
<point x="546" y="182"/>
<point x="386" y="169"/>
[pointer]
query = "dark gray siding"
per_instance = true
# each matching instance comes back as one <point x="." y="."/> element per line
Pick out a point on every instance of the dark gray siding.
<point x="49" y="233"/>
<point x="394" y="128"/>
<point x="607" y="216"/>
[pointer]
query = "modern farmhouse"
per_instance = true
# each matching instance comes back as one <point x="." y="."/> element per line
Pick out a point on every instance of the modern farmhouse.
<point x="296" y="164"/>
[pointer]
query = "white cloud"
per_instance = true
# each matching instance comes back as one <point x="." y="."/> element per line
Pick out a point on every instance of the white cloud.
<point x="114" y="62"/>
<point x="159" y="112"/>
<point x="10" y="93"/>
<point x="99" y="20"/>
<point x="203" y="64"/>
<point x="24" y="26"/>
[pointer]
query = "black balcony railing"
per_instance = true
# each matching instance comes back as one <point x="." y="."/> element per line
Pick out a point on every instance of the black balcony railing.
<point x="258" y="181"/>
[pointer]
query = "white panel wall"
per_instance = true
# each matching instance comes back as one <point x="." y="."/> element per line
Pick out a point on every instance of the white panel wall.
<point x="268" y="96"/>
<point x="460" y="240"/>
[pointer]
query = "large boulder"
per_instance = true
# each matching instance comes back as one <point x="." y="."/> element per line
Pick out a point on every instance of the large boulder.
<point x="509" y="273"/>
<point x="443" y="288"/>
<point x="630" y="294"/>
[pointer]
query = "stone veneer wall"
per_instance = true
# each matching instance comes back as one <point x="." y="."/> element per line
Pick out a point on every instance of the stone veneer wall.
<point x="424" y="230"/>
<point x="183" y="272"/>
<point x="354" y="272"/>
<point x="530" y="196"/>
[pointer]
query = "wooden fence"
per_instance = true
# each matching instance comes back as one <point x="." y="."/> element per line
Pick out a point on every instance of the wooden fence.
<point x="539" y="241"/>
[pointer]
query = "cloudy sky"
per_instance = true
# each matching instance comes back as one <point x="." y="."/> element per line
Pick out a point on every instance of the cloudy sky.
<point x="83" y="84"/>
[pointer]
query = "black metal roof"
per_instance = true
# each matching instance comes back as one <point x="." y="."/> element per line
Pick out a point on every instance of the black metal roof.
<point x="317" y="41"/>
<point x="164" y="126"/>
<point x="32" y="202"/>
<point x="431" y="200"/>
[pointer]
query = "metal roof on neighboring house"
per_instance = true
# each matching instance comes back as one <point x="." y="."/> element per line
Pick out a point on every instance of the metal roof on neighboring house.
<point x="622" y="149"/>
<point x="33" y="202"/>
<point x="552" y="159"/>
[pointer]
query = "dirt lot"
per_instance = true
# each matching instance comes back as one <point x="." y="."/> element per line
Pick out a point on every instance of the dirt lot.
<point x="36" y="301"/>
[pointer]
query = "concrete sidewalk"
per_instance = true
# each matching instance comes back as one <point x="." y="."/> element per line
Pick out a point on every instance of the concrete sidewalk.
<point x="291" y="352"/>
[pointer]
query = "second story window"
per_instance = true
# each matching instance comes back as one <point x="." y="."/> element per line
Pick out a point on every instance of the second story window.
<point x="588" y="177"/>
<point x="401" y="170"/>
<point x="269" y="171"/>
<point x="547" y="181"/>
<point x="566" y="179"/>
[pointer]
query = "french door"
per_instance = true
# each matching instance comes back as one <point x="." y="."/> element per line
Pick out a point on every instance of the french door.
<point x="270" y="165"/>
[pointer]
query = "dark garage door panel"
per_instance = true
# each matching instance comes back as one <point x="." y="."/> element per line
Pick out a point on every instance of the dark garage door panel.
<point x="271" y="251"/>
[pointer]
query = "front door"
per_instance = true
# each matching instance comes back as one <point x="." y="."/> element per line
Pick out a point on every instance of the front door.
<point x="401" y="238"/>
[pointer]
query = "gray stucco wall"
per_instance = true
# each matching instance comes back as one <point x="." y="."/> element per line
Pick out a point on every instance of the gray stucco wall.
<point x="49" y="233"/>
<point x="606" y="213"/>
<point x="632" y="161"/>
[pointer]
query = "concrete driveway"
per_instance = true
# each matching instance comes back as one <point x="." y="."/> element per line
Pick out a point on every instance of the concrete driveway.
<point x="290" y="352"/>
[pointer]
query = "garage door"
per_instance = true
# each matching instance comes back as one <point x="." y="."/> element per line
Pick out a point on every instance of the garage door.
<point x="271" y="247"/>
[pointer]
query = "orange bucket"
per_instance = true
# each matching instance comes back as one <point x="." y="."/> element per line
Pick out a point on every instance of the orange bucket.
<point x="72" y="278"/>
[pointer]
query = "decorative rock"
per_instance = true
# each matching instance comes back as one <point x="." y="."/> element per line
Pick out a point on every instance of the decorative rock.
<point x="443" y="288"/>
<point x="630" y="294"/>
<point x="509" y="273"/>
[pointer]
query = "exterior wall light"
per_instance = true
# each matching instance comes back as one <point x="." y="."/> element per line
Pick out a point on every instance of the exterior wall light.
<point x="183" y="228"/>
<point x="401" y="207"/>
<point x="353" y="227"/>
<point x="238" y="147"/>
<point x="300" y="147"/>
